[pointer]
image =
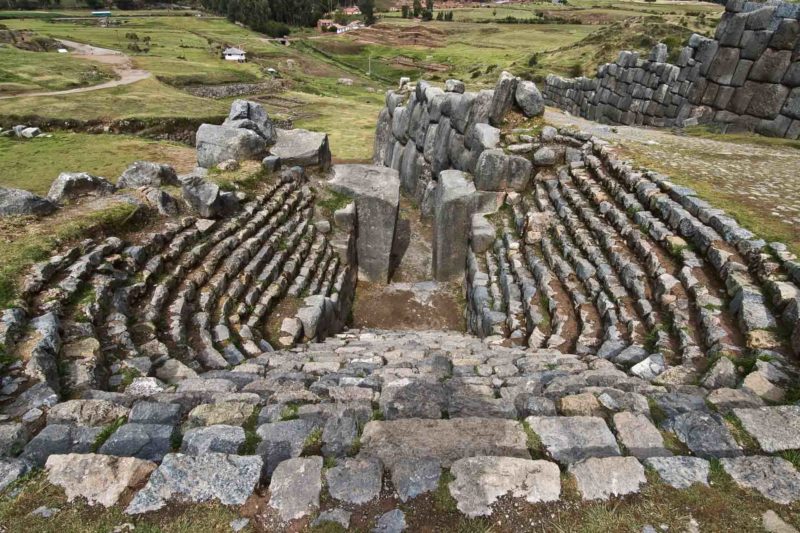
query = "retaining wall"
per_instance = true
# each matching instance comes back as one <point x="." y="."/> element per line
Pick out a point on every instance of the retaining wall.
<point x="745" y="79"/>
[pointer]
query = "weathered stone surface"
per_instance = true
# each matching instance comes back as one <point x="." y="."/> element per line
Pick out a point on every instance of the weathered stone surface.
<point x="226" y="413"/>
<point x="73" y="185"/>
<point x="229" y="479"/>
<point x="21" y="202"/>
<point x="772" y="523"/>
<point x="705" y="434"/>
<point x="722" y="375"/>
<point x="302" y="148"/>
<point x="155" y="413"/>
<point x="503" y="97"/>
<point x="216" y="438"/>
<point x="216" y="144"/>
<point x="336" y="516"/>
<point x="393" y="521"/>
<point x="444" y="440"/>
<point x="454" y="206"/>
<point x="86" y="412"/>
<point x="295" y="487"/>
<point x="775" y="428"/>
<point x="774" y="477"/>
<point x="145" y="441"/>
<point x="639" y="436"/>
<point x="101" y="479"/>
<point x="414" y="476"/>
<point x="355" y="481"/>
<point x="12" y="438"/>
<point x="255" y="117"/>
<point x="376" y="191"/>
<point x="574" y="438"/>
<point x="207" y="198"/>
<point x="480" y="481"/>
<point x="283" y="440"/>
<point x="726" y="400"/>
<point x="681" y="471"/>
<point x="602" y="478"/>
<point x="147" y="174"/>
<point x="59" y="439"/>
<point x="11" y="470"/>
<point x="529" y="99"/>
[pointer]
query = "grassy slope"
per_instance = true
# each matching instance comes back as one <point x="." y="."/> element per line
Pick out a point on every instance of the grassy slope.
<point x="34" y="164"/>
<point x="22" y="71"/>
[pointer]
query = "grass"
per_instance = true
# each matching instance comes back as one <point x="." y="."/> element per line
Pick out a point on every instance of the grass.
<point x="251" y="438"/>
<point x="106" y="433"/>
<point x="33" y="164"/>
<point x="34" y="242"/>
<point x="22" y="71"/>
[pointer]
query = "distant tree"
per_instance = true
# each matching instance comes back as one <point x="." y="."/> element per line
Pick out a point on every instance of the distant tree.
<point x="427" y="15"/>
<point x="429" y="5"/>
<point x="417" y="8"/>
<point x="340" y="18"/>
<point x="367" y="8"/>
<point x="406" y="12"/>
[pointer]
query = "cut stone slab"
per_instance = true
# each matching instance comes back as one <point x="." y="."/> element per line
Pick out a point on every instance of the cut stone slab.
<point x="223" y="413"/>
<point x="355" y="481"/>
<point x="680" y="472"/>
<point x="155" y="413"/>
<point x="444" y="440"/>
<point x="411" y="398"/>
<point x="480" y="481"/>
<point x="574" y="438"/>
<point x="218" y="438"/>
<point x="101" y="479"/>
<point x="216" y="144"/>
<point x="302" y="148"/>
<point x="602" y="478"/>
<point x="282" y="440"/>
<point x="775" y="428"/>
<point x="639" y="436"/>
<point x="705" y="434"/>
<point x="455" y="203"/>
<point x="412" y="477"/>
<point x="145" y="441"/>
<point x="57" y="439"/>
<point x="86" y="412"/>
<point x="774" y="477"/>
<point x="392" y="522"/>
<point x="295" y="487"/>
<point x="229" y="479"/>
<point x="726" y="400"/>
<point x="376" y="190"/>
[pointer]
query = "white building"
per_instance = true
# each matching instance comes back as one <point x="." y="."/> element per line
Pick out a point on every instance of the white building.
<point x="234" y="54"/>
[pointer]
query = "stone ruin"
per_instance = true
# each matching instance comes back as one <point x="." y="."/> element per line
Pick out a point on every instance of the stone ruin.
<point x="745" y="79"/>
<point x="611" y="313"/>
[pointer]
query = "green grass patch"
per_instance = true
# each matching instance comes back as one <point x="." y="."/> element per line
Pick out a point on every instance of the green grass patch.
<point x="251" y="438"/>
<point x="443" y="501"/>
<point x="106" y="433"/>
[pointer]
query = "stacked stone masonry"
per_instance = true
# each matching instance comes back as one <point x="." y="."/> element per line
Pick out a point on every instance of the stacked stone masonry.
<point x="745" y="79"/>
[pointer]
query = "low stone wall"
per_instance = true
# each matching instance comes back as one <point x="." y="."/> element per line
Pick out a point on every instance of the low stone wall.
<point x="745" y="79"/>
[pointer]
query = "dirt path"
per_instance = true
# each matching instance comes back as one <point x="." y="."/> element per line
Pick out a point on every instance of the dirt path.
<point x="119" y="62"/>
<point x="760" y="177"/>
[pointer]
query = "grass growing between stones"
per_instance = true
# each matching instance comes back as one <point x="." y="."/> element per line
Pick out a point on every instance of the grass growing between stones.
<point x="24" y="240"/>
<point x="107" y="431"/>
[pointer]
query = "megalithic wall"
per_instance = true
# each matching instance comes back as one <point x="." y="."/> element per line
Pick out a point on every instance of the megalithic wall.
<point x="745" y="79"/>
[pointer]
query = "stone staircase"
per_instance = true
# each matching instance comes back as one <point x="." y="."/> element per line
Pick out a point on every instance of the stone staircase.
<point x="385" y="410"/>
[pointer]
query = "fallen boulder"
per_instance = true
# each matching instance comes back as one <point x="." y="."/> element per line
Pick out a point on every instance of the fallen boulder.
<point x="216" y="144"/>
<point x="302" y="148"/>
<point x="146" y="173"/>
<point x="255" y="116"/>
<point x="206" y="198"/>
<point x="529" y="99"/>
<point x="73" y="185"/>
<point x="21" y="202"/>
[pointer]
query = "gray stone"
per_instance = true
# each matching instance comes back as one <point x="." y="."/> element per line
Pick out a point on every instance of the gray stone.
<point x="229" y="479"/>
<point x="295" y="487"/>
<point x="639" y="436"/>
<point x="217" y="438"/>
<point x="407" y="398"/>
<point x="86" y="412"/>
<point x="775" y="428"/>
<point x="414" y="476"/>
<point x="383" y="137"/>
<point x="705" y="434"/>
<point x="155" y="413"/>
<point x="145" y="441"/>
<point x="303" y="148"/>
<point x="680" y="472"/>
<point x="532" y="405"/>
<point x="773" y="477"/>
<point x="207" y="198"/>
<point x="393" y="521"/>
<point x="480" y="481"/>
<point x="503" y="98"/>
<point x="339" y="435"/>
<point x="58" y="439"/>
<point x="216" y="144"/>
<point x="631" y="355"/>
<point x="12" y="438"/>
<point x="454" y="206"/>
<point x="336" y="516"/>
<point x="147" y="174"/>
<point x="256" y="115"/>
<point x="355" y="481"/>
<point x="726" y="400"/>
<point x="11" y="470"/>
<point x="19" y="202"/>
<point x="772" y="523"/>
<point x="602" y="478"/>
<point x="722" y="375"/>
<point x="283" y="440"/>
<point x="443" y="440"/>
<point x="454" y="86"/>
<point x="544" y="157"/>
<point x="574" y="438"/>
<point x="650" y="367"/>
<point x="271" y="163"/>
<point x="529" y="99"/>
<point x="162" y="201"/>
<point x="74" y="185"/>
<point x="376" y="191"/>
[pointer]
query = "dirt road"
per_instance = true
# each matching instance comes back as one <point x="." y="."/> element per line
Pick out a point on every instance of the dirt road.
<point x="119" y="62"/>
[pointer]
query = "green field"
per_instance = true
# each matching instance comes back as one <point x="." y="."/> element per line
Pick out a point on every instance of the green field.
<point x="23" y="71"/>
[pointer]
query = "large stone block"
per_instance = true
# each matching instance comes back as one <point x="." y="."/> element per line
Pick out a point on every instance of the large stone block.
<point x="503" y="98"/>
<point x="377" y="194"/>
<point x="216" y="144"/>
<point x="383" y="137"/>
<point x="454" y="207"/>
<point x="302" y="148"/>
<point x="771" y="66"/>
<point x="768" y="100"/>
<point x="724" y="65"/>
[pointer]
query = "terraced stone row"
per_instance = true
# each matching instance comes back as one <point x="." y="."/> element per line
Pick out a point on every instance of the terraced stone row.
<point x="388" y="411"/>
<point x="193" y="296"/>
